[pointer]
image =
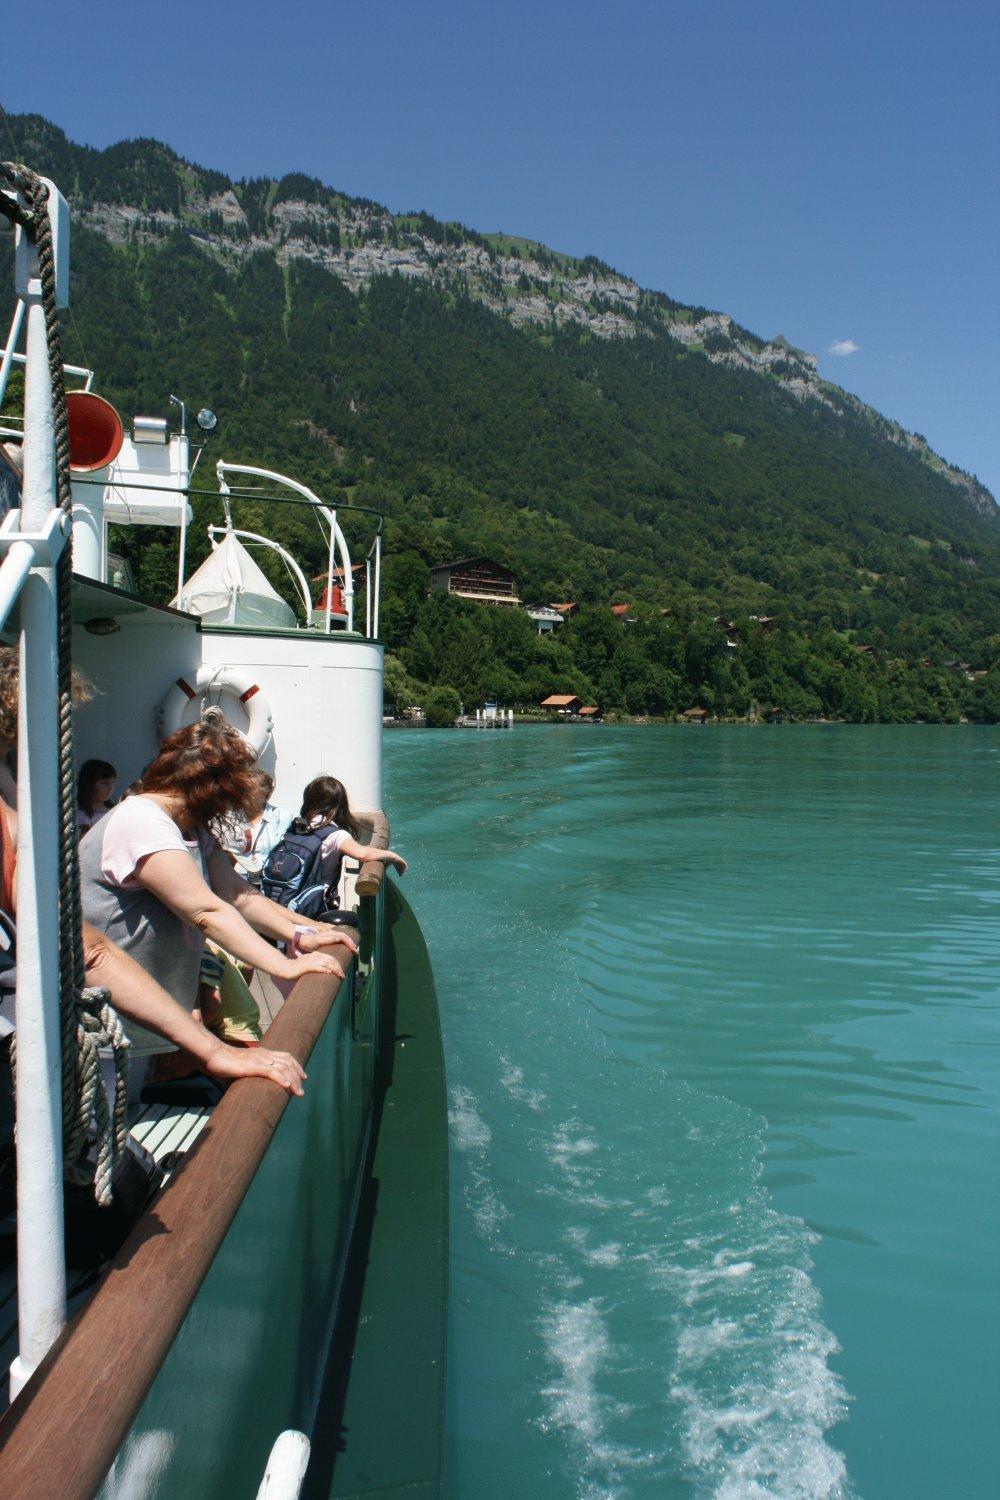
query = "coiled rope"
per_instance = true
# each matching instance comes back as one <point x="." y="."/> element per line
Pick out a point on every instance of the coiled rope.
<point x="88" y="1022"/>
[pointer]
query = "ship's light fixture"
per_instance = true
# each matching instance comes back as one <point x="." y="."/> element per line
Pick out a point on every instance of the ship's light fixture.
<point x="102" y="625"/>
<point x="207" y="420"/>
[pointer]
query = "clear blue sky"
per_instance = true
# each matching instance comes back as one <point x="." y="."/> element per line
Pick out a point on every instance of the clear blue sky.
<point x="828" y="171"/>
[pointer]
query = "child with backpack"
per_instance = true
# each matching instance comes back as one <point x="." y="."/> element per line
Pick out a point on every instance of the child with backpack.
<point x="303" y="871"/>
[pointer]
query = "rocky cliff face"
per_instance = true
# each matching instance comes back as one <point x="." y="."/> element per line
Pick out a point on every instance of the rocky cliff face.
<point x="140" y="191"/>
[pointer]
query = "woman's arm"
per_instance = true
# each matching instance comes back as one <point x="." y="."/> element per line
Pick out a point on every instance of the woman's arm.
<point x="141" y="999"/>
<point x="269" y="917"/>
<point x="173" y="878"/>
<point x="365" y="852"/>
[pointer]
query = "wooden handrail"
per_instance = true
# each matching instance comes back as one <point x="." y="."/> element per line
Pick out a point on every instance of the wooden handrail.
<point x="69" y="1422"/>
<point x="373" y="870"/>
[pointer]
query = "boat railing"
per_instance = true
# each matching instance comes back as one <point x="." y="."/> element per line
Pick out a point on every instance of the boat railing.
<point x="372" y="872"/>
<point x="338" y="550"/>
<point x="256" y="495"/>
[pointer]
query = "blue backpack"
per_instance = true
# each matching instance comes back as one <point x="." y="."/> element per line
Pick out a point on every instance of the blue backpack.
<point x="293" y="871"/>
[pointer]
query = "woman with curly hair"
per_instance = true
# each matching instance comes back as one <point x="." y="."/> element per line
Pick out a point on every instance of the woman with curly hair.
<point x="155" y="881"/>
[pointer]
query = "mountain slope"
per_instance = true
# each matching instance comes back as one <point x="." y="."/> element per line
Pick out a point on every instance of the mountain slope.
<point x="604" y="441"/>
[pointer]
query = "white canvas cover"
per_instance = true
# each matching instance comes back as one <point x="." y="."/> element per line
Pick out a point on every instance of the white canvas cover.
<point x="230" y="589"/>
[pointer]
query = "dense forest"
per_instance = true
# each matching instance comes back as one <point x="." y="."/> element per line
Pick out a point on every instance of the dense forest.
<point x="600" y="469"/>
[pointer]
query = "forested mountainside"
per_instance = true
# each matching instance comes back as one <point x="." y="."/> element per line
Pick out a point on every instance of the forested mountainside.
<point x="494" y="396"/>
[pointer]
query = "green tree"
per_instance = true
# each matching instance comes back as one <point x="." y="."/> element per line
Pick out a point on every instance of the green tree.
<point x="442" y="707"/>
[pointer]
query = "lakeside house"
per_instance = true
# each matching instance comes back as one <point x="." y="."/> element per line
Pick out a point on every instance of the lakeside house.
<point x="590" y="713"/>
<point x="562" y="703"/>
<point x="477" y="578"/>
<point x="694" y="715"/>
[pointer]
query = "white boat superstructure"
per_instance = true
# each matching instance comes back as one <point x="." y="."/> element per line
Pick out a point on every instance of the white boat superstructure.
<point x="308" y="693"/>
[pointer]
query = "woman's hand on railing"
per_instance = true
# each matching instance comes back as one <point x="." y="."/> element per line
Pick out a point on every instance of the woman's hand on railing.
<point x="230" y="1063"/>
<point x="307" y="963"/>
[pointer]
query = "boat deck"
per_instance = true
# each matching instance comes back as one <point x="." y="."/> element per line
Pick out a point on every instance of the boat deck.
<point x="168" y="1131"/>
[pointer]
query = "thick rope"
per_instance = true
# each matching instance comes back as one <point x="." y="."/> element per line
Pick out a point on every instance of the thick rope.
<point x="97" y="1132"/>
<point x="72" y="981"/>
<point x="94" y="1124"/>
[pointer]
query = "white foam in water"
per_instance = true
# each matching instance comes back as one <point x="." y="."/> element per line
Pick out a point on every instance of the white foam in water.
<point x="577" y="1341"/>
<point x="754" y="1383"/>
<point x="512" y="1079"/>
<point x="740" y="1268"/>
<point x="576" y="1338"/>
<point x="472" y="1136"/>
<point x="607" y="1255"/>
<point x="470" y="1131"/>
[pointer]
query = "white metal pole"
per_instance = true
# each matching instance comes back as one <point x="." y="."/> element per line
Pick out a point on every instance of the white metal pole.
<point x="183" y="480"/>
<point x="41" y="1282"/>
<point x="88" y="525"/>
<point x="368" y="598"/>
<point x="286" y="1467"/>
<point x="8" y="353"/>
<point x="329" y="575"/>
<point x="378" y="583"/>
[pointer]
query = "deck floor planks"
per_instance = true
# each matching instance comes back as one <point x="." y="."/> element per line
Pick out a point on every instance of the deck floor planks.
<point x="165" y="1130"/>
<point x="268" y="997"/>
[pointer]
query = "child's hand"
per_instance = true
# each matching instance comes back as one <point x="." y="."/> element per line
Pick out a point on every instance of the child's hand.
<point x="325" y="936"/>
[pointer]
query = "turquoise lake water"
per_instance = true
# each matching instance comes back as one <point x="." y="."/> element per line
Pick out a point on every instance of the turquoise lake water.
<point x="721" y="1021"/>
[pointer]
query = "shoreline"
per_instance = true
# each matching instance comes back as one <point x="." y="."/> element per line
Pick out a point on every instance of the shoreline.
<point x="654" y="723"/>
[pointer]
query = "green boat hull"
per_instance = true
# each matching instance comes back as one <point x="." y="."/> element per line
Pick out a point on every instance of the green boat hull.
<point x="325" y="1307"/>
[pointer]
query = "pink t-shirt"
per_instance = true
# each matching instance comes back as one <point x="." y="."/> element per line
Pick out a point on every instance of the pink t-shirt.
<point x="137" y="827"/>
<point x="117" y="904"/>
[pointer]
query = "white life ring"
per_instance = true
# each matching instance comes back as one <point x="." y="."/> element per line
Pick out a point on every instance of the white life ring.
<point x="260" y="723"/>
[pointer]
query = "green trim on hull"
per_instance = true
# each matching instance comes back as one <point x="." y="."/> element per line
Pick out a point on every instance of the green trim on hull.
<point x="380" y="1426"/>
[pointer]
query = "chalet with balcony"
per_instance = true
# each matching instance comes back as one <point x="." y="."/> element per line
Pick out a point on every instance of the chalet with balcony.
<point x="477" y="578"/>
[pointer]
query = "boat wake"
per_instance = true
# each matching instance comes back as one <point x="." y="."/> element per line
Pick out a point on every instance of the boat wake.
<point x="682" y="1348"/>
